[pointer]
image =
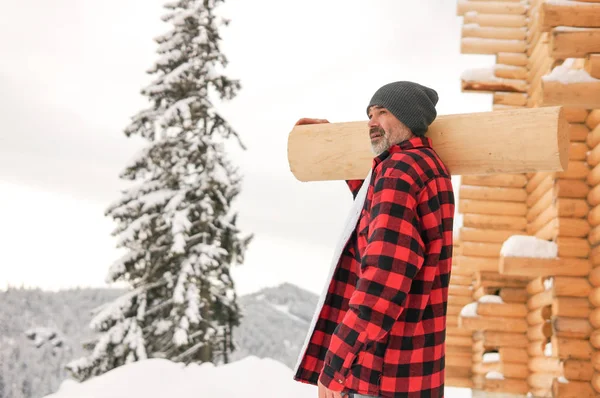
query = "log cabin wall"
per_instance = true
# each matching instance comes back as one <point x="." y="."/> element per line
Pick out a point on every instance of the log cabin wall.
<point x="532" y="325"/>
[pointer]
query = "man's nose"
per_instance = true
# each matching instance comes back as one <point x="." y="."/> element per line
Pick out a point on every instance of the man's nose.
<point x="373" y="123"/>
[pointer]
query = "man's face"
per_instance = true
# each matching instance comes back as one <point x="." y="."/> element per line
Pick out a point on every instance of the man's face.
<point x="385" y="130"/>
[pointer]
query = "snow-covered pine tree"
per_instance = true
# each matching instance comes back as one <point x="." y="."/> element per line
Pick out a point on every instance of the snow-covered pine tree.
<point x="176" y="223"/>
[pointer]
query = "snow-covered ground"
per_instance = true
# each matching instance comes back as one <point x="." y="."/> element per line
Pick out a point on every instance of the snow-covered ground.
<point x="159" y="378"/>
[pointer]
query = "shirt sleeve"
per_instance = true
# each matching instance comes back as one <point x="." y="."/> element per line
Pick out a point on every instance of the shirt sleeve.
<point x="393" y="256"/>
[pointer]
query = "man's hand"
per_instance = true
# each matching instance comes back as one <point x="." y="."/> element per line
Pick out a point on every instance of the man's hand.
<point x="324" y="392"/>
<point x="306" y="120"/>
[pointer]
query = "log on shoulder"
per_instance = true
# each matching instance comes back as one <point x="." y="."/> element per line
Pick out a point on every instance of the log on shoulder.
<point x="510" y="141"/>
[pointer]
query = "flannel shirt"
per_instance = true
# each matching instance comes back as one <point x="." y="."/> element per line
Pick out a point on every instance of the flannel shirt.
<point x="381" y="328"/>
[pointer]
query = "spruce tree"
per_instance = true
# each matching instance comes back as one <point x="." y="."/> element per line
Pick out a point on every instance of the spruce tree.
<point x="176" y="221"/>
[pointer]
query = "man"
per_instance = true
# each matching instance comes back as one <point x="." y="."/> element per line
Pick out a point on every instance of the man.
<point x="380" y="328"/>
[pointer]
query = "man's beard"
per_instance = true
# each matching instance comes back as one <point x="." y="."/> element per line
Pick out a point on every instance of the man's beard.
<point x="381" y="143"/>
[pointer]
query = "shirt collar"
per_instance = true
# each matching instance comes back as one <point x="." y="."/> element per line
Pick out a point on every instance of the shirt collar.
<point x="412" y="143"/>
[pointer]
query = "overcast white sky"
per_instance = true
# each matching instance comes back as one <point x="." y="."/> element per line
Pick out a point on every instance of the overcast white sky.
<point x="70" y="78"/>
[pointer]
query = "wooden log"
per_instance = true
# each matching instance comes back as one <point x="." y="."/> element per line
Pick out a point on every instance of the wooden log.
<point x="594" y="236"/>
<point x="509" y="386"/>
<point x="571" y="188"/>
<point x="594" y="297"/>
<point x="540" y="206"/>
<point x="342" y="151"/>
<point x="515" y="371"/>
<point x="579" y="151"/>
<point x="568" y="42"/>
<point x="497" y="180"/>
<point x="576" y="170"/>
<point x="493" y="193"/>
<point x="481" y="249"/>
<point x="541" y="331"/>
<point x="452" y="321"/>
<point x="572" y="348"/>
<point x="454" y="309"/>
<point x="492" y="207"/>
<point x="595" y="338"/>
<point x="482" y="368"/>
<point x="569" y="13"/>
<point x="571" y="286"/>
<point x="573" y="247"/>
<point x="458" y="361"/>
<point x="576" y="208"/>
<point x="536" y="285"/>
<point x="458" y="371"/>
<point x="578" y="132"/>
<point x="459" y="300"/>
<point x="592" y="65"/>
<point x="595" y="360"/>
<point x="573" y="389"/>
<point x="571" y="328"/>
<point x="461" y="280"/>
<point x="486" y="235"/>
<point x="511" y="72"/>
<point x="539" y="300"/>
<point x="516" y="59"/>
<point x="583" y="94"/>
<point x="548" y="231"/>
<point x="492" y="279"/>
<point x="536" y="348"/>
<point x="475" y="264"/>
<point x="492" y="32"/>
<point x="490" y="7"/>
<point x="495" y="20"/>
<point x="513" y="295"/>
<point x="464" y="341"/>
<point x="592" y="120"/>
<point x="501" y="339"/>
<point x="575" y="115"/>
<point x="535" y="181"/>
<point x="578" y="370"/>
<point x="594" y="216"/>
<point x="505" y="310"/>
<point x="594" y="318"/>
<point x="456" y="331"/>
<point x="508" y="98"/>
<point x="596" y="383"/>
<point x="509" y="355"/>
<point x="593" y="137"/>
<point x="595" y="256"/>
<point x="479" y="292"/>
<point x="576" y="307"/>
<point x="594" y="276"/>
<point x="593" y="197"/>
<point x="459" y="382"/>
<point x="484" y="81"/>
<point x="545" y="365"/>
<point x="501" y="324"/>
<point x="455" y="290"/>
<point x="572" y="227"/>
<point x="532" y="266"/>
<point x="539" y="316"/>
<point x="593" y="157"/>
<point x="540" y="380"/>
<point x="545" y="185"/>
<point x="593" y="177"/>
<point x="542" y="219"/>
<point x="482" y="221"/>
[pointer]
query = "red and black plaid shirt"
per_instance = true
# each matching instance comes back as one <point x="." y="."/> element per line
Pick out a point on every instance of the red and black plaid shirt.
<point x="381" y="329"/>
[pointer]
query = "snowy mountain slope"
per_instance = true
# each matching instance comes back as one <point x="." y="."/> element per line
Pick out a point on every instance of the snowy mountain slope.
<point x="274" y="325"/>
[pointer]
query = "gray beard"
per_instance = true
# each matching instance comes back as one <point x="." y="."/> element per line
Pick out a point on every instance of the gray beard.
<point x="381" y="145"/>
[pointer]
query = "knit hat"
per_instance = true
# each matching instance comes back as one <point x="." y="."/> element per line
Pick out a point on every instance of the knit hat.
<point x="411" y="103"/>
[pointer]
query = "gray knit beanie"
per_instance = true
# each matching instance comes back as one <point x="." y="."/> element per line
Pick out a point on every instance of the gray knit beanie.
<point x="411" y="103"/>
